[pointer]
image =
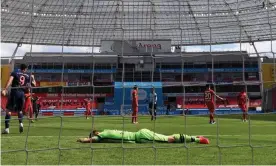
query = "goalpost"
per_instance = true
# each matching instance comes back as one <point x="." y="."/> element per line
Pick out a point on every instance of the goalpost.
<point x="147" y="53"/>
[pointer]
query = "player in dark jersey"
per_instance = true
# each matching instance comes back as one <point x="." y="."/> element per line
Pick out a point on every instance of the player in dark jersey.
<point x="18" y="81"/>
<point x="141" y="136"/>
<point x="36" y="106"/>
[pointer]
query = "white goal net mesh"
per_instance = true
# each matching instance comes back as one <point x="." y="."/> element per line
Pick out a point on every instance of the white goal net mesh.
<point x="178" y="74"/>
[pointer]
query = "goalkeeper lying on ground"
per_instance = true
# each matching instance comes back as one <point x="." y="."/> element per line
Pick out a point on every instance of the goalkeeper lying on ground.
<point x="141" y="136"/>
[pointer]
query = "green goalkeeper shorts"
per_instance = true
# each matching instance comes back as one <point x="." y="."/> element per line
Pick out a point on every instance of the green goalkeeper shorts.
<point x="147" y="136"/>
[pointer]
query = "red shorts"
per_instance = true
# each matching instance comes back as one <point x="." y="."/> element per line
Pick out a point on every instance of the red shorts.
<point x="88" y="109"/>
<point x="243" y="108"/>
<point x="134" y="108"/>
<point x="211" y="106"/>
<point x="28" y="106"/>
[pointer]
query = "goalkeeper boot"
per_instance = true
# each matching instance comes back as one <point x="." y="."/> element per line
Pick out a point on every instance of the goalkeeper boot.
<point x="203" y="140"/>
<point x="6" y="131"/>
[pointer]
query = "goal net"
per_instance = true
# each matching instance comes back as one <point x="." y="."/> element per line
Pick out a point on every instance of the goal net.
<point x="85" y="91"/>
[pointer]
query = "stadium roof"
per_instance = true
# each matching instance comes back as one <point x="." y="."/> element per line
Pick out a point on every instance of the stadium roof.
<point x="87" y="22"/>
<point x="269" y="60"/>
<point x="5" y="61"/>
<point x="43" y="57"/>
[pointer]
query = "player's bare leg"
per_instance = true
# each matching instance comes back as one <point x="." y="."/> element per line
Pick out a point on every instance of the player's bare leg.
<point x="134" y="114"/>
<point x="29" y="111"/>
<point x="151" y="113"/>
<point x="133" y="118"/>
<point x="212" y="120"/>
<point x="20" y="118"/>
<point x="244" y="116"/>
<point x="86" y="114"/>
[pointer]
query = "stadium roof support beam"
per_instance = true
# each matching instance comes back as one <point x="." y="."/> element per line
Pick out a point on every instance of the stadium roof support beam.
<point x="108" y="18"/>
<point x="32" y="19"/>
<point x="75" y="20"/>
<point x="239" y="22"/>
<point x="12" y="61"/>
<point x="3" y="4"/>
<point x="196" y="23"/>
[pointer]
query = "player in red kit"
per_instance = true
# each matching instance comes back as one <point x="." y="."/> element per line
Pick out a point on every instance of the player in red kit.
<point x="28" y="105"/>
<point x="87" y="107"/>
<point x="134" y="104"/>
<point x="209" y="100"/>
<point x="243" y="101"/>
<point x="28" y="108"/>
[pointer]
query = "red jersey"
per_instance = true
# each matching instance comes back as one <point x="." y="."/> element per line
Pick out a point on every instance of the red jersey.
<point x="209" y="96"/>
<point x="242" y="98"/>
<point x="135" y="97"/>
<point x="87" y="104"/>
<point x="28" y="98"/>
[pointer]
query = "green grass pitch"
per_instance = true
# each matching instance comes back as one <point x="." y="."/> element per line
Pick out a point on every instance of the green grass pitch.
<point x="233" y="141"/>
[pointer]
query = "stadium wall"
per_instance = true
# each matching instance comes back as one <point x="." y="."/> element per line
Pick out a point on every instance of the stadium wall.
<point x="268" y="75"/>
<point x="5" y="72"/>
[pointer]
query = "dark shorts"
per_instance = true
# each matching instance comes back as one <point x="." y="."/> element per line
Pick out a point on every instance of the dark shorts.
<point x="16" y="100"/>
<point x="154" y="106"/>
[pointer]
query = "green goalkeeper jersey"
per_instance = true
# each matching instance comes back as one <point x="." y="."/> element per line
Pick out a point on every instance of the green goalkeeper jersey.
<point x="116" y="136"/>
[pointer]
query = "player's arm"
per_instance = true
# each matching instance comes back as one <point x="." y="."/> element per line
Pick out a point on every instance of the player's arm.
<point x="10" y="80"/>
<point x="33" y="82"/>
<point x="8" y="84"/>
<point x="94" y="139"/>
<point x="217" y="96"/>
<point x="135" y="97"/>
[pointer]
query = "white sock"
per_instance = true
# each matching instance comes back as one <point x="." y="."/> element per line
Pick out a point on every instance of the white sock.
<point x="21" y="124"/>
